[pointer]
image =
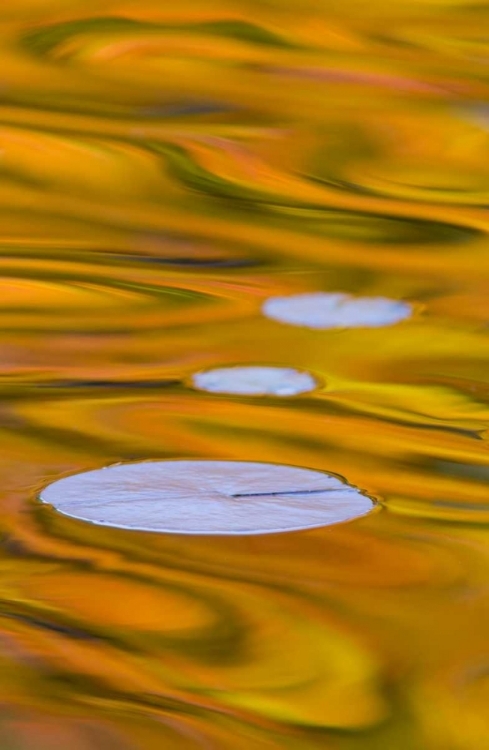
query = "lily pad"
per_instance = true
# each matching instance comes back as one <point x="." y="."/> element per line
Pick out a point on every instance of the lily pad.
<point x="323" y="310"/>
<point x="251" y="380"/>
<point x="207" y="497"/>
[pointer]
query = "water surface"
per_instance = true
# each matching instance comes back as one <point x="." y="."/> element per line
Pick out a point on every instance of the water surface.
<point x="166" y="169"/>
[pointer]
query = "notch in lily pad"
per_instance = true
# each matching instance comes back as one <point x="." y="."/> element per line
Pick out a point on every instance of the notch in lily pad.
<point x="255" y="380"/>
<point x="206" y="497"/>
<point x="326" y="310"/>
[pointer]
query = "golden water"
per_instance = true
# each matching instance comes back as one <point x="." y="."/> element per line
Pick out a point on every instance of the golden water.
<point x="165" y="167"/>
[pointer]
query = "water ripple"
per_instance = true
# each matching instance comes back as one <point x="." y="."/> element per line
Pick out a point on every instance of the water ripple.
<point x="164" y="171"/>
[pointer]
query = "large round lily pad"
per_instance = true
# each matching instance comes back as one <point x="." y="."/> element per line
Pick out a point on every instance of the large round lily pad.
<point x="207" y="497"/>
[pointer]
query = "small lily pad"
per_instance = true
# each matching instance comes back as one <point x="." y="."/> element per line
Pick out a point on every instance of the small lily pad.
<point x="323" y="310"/>
<point x="207" y="497"/>
<point x="250" y="380"/>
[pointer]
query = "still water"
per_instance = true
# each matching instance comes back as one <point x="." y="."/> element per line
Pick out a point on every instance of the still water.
<point x="165" y="169"/>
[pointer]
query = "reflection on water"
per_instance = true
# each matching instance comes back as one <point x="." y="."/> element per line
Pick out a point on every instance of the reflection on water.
<point x="164" y="172"/>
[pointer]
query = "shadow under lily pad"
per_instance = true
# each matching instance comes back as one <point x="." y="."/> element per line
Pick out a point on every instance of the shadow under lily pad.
<point x="207" y="497"/>
<point x="324" y="310"/>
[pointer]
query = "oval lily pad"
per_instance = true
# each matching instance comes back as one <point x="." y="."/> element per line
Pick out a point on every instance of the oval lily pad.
<point x="251" y="380"/>
<point x="325" y="310"/>
<point x="207" y="497"/>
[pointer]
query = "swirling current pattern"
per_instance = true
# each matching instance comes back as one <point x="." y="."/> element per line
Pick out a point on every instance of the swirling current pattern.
<point x="165" y="170"/>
